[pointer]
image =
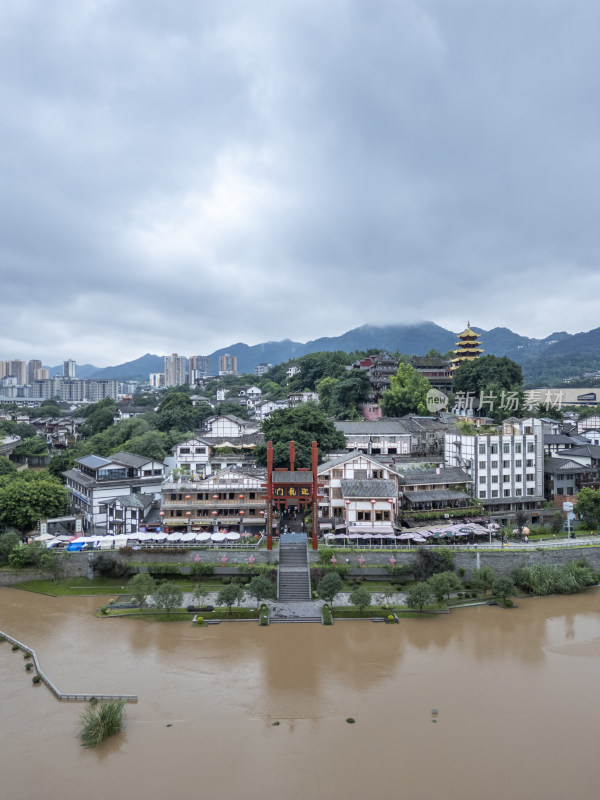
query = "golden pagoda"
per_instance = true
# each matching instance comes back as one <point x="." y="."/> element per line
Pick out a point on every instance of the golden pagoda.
<point x="467" y="347"/>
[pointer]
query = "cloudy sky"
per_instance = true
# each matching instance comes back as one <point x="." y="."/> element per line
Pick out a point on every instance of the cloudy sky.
<point x="182" y="176"/>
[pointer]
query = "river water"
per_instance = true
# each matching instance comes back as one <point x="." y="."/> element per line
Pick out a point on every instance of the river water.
<point x="517" y="692"/>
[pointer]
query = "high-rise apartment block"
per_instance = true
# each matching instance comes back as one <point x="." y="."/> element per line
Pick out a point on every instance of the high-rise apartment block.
<point x="227" y="364"/>
<point x="69" y="368"/>
<point x="14" y="369"/>
<point x="175" y="370"/>
<point x="33" y="366"/>
<point x="199" y="368"/>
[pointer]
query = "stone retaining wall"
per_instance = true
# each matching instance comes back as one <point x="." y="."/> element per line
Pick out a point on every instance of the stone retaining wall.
<point x="501" y="561"/>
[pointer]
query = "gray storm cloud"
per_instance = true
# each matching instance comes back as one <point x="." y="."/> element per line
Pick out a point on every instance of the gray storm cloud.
<point x="178" y="177"/>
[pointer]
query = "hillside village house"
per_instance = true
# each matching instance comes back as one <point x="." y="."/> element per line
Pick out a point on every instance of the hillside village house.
<point x="95" y="481"/>
<point x="403" y="436"/>
<point x="130" y="513"/>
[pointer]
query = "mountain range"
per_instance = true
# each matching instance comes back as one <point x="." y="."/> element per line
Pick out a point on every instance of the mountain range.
<point x="533" y="354"/>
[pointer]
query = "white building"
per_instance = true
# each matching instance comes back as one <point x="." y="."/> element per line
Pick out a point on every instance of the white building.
<point x="175" y="370"/>
<point x="357" y="467"/>
<point x="95" y="481"/>
<point x="192" y="457"/>
<point x="507" y="469"/>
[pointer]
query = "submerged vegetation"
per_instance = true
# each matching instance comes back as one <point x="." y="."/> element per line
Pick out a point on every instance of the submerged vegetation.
<point x="100" y="720"/>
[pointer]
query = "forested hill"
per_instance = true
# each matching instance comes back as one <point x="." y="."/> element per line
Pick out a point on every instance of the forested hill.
<point x="557" y="356"/>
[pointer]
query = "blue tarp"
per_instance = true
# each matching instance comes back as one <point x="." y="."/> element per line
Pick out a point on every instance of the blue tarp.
<point x="75" y="547"/>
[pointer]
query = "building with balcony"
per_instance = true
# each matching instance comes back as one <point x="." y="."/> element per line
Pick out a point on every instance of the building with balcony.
<point x="364" y="469"/>
<point x="95" y="480"/>
<point x="231" y="498"/>
<point x="507" y="469"/>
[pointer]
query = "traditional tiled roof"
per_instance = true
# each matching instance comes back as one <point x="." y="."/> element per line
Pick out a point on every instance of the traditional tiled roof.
<point x="132" y="500"/>
<point x="552" y="465"/>
<point x="435" y="495"/>
<point x="372" y="488"/>
<point x="447" y="475"/>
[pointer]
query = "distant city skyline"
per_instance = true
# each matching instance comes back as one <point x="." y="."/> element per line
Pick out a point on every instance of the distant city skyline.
<point x="293" y="170"/>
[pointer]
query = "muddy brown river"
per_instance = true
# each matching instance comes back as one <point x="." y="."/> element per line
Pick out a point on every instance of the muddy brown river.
<point x="518" y="694"/>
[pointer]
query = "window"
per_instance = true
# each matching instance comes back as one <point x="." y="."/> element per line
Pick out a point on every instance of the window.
<point x="507" y="493"/>
<point x="493" y="448"/>
<point x="482" y="479"/>
<point x="336" y="473"/>
<point x="519" y="478"/>
<point x="184" y="451"/>
<point x="482" y="495"/>
<point x="518" y="492"/>
<point x="363" y="516"/>
<point x="494" y="479"/>
<point x="494" y="492"/>
<point x="529" y="462"/>
<point x="481" y="449"/>
<point x="530" y="447"/>
<point x="530" y="476"/>
<point x="506" y="465"/>
<point x="494" y="465"/>
<point x="506" y="447"/>
<point x="560" y="490"/>
<point x="506" y="479"/>
<point x="529" y="491"/>
<point x="569" y="490"/>
<point x="482" y="465"/>
<point x="518" y="447"/>
<point x="518" y="463"/>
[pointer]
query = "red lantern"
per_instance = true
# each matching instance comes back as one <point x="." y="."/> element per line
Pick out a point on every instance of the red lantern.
<point x="241" y="496"/>
<point x="188" y="513"/>
<point x="215" y="496"/>
<point x="214" y="513"/>
<point x="241" y="512"/>
<point x="161" y="513"/>
<point x="373" y="502"/>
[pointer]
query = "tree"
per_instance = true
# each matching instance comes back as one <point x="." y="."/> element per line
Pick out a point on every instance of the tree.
<point x="418" y="596"/>
<point x="200" y="593"/>
<point x="6" y="466"/>
<point x="502" y="588"/>
<point x="176" y="412"/>
<point x="484" y="578"/>
<point x="442" y="584"/>
<point x="61" y="463"/>
<point x="51" y="562"/>
<point x="28" y="496"/>
<point x="348" y="393"/>
<point x="315" y="366"/>
<point x="557" y="522"/>
<point x="474" y="376"/>
<point x="261" y="588"/>
<point x="407" y="393"/>
<point x="140" y="587"/>
<point x="35" y="446"/>
<point x="302" y="424"/>
<point x="361" y="598"/>
<point x="329" y="586"/>
<point x="8" y="542"/>
<point x="152" y="444"/>
<point x="167" y="595"/>
<point x="588" y="507"/>
<point x="429" y="561"/>
<point x="230" y="594"/>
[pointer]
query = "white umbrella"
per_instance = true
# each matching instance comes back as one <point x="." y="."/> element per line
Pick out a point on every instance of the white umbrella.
<point x="203" y="537"/>
<point x="159" y="537"/>
<point x="232" y="537"/>
<point x="188" y="537"/>
<point x="217" y="537"/>
<point x="174" y="537"/>
<point x="418" y="539"/>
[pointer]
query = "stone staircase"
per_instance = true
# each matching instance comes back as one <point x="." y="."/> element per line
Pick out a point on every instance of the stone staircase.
<point x="293" y="574"/>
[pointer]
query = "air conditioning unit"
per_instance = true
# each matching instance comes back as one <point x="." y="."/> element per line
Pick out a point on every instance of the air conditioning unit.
<point x="446" y="516"/>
